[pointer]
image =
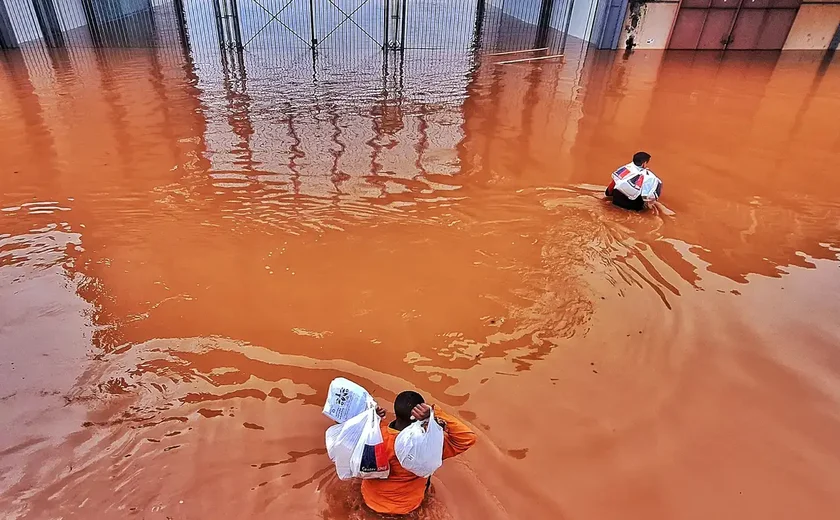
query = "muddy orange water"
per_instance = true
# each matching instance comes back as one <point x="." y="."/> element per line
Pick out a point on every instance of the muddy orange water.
<point x="190" y="252"/>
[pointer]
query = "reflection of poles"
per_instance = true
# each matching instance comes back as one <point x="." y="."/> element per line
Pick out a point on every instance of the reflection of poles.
<point x="110" y="88"/>
<point x="48" y="21"/>
<point x="158" y="82"/>
<point x="198" y="126"/>
<point x="387" y="119"/>
<point x="566" y="26"/>
<point x="530" y="101"/>
<point x="60" y="61"/>
<point x="422" y="142"/>
<point x="474" y="115"/>
<point x="7" y="34"/>
<point x="296" y="152"/>
<point x="239" y="103"/>
<point x="337" y="176"/>
<point x="41" y="143"/>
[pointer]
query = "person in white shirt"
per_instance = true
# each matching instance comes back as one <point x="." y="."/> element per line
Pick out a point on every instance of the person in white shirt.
<point x="633" y="184"/>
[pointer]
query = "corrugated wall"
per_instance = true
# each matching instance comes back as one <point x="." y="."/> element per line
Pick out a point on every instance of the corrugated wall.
<point x="721" y="24"/>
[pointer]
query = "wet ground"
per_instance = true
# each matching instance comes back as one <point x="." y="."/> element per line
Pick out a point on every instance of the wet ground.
<point x="189" y="253"/>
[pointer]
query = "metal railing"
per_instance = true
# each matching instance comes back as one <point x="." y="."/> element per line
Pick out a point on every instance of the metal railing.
<point x="288" y="25"/>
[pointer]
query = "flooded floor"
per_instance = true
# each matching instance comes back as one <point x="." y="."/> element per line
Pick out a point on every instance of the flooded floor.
<point x="190" y="252"/>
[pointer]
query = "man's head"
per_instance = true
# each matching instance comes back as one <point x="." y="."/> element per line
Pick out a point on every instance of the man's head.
<point x="641" y="159"/>
<point x="404" y="403"/>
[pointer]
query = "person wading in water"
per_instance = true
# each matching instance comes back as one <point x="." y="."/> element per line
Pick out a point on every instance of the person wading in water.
<point x="403" y="491"/>
<point x="627" y="183"/>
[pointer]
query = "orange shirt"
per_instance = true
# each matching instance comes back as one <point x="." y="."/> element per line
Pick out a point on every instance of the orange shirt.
<point x="403" y="491"/>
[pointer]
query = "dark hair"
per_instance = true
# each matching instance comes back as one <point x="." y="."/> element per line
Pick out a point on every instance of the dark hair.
<point x="640" y="158"/>
<point x="405" y="402"/>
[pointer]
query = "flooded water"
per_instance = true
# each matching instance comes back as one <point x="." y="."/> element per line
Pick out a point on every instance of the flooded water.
<point x="189" y="253"/>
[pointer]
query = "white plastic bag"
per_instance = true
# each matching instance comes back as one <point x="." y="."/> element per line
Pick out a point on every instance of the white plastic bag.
<point x="634" y="181"/>
<point x="346" y="399"/>
<point x="651" y="187"/>
<point x="628" y="180"/>
<point x="419" y="449"/>
<point x="356" y="447"/>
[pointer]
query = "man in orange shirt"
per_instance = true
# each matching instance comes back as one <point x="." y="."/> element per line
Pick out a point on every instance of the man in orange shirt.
<point x="403" y="491"/>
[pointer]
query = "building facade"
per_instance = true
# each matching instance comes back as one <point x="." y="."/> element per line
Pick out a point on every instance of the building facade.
<point x="732" y="25"/>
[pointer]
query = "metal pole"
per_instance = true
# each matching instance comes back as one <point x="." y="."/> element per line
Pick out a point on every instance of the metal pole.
<point x="543" y="23"/>
<point x="226" y="16"/>
<point x="48" y="20"/>
<point x="479" y="23"/>
<point x="181" y="17"/>
<point x="387" y="5"/>
<point x="402" y="36"/>
<point x="312" y="23"/>
<point x="7" y="34"/>
<point x="92" y="22"/>
<point x="728" y="38"/>
<point x="567" y="25"/>
<point x="237" y="30"/>
<point x="220" y="31"/>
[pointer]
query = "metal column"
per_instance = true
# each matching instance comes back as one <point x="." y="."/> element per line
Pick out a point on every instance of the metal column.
<point x="543" y="25"/>
<point x="48" y="21"/>
<point x="386" y="13"/>
<point x="608" y="23"/>
<point x="312" y="24"/>
<point x="181" y="18"/>
<point x="92" y="22"/>
<point x="237" y="30"/>
<point x="402" y="36"/>
<point x="7" y="34"/>
<point x="227" y="23"/>
<point x="220" y="30"/>
<point x="393" y="23"/>
<point x="480" y="10"/>
<point x="566" y="25"/>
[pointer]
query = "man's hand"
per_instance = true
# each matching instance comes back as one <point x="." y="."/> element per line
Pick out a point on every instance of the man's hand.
<point x="380" y="412"/>
<point x="421" y="412"/>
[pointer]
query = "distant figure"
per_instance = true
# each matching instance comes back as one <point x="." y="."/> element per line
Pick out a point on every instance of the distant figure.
<point x="633" y="184"/>
<point x="403" y="491"/>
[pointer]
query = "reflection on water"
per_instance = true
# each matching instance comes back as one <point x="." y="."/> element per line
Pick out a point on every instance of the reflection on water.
<point x="190" y="252"/>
